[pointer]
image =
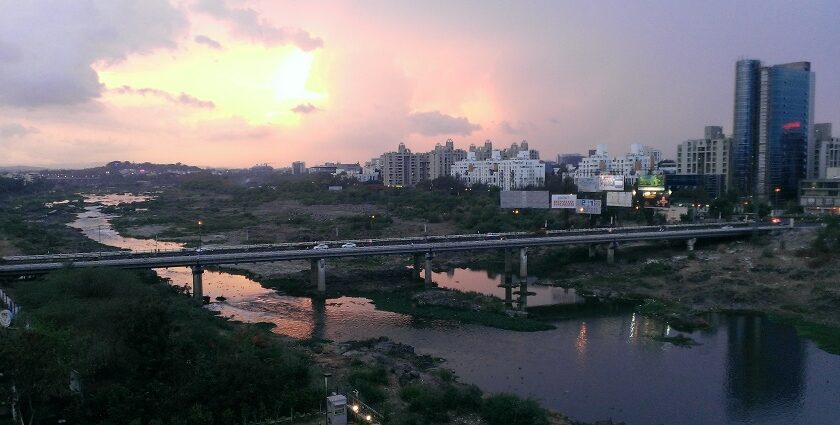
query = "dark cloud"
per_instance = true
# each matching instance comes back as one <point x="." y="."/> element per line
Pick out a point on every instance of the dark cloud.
<point x="207" y="41"/>
<point x="8" y="131"/>
<point x="49" y="45"/>
<point x="246" y="22"/>
<point x="182" y="98"/>
<point x="305" y="108"/>
<point x="435" y="123"/>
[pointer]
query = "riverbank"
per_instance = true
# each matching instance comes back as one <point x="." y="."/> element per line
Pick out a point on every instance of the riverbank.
<point x="790" y="282"/>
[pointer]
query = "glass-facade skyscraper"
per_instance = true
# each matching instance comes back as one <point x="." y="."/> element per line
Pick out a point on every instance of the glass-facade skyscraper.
<point x="773" y="143"/>
<point x="745" y="127"/>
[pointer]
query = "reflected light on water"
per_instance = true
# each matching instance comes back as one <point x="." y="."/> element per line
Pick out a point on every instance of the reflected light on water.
<point x="581" y="341"/>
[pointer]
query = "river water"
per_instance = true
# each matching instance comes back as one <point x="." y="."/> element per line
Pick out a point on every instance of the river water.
<point x="746" y="370"/>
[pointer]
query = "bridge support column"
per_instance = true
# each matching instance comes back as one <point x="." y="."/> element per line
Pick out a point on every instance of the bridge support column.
<point x="523" y="262"/>
<point x="197" y="284"/>
<point x="508" y="261"/>
<point x="592" y="247"/>
<point x="318" y="268"/>
<point x="690" y="243"/>
<point x="611" y="252"/>
<point x="428" y="270"/>
<point x="416" y="258"/>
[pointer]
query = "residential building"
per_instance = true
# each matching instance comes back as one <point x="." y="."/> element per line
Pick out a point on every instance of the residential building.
<point x="773" y="129"/>
<point x="666" y="166"/>
<point x="404" y="168"/>
<point x="827" y="152"/>
<point x="704" y="156"/>
<point x="507" y="174"/>
<point x="442" y="158"/>
<point x="641" y="160"/>
<point x="298" y="167"/>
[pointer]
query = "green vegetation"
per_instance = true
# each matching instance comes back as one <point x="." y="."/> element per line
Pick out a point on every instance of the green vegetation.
<point x="369" y="380"/>
<point x="828" y="237"/>
<point x="137" y="352"/>
<point x="402" y="302"/>
<point x="430" y="404"/>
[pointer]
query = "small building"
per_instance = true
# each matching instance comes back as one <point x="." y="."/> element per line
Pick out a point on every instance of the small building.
<point x="820" y="196"/>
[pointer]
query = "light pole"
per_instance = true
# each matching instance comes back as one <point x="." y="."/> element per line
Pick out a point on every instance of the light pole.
<point x="199" y="234"/>
<point x="776" y="192"/>
<point x="326" y="394"/>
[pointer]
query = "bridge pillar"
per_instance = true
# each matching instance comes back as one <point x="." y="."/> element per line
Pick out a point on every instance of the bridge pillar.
<point x="592" y="247"/>
<point x="428" y="269"/>
<point x="416" y="258"/>
<point x="197" y="284"/>
<point x="523" y="293"/>
<point x="523" y="262"/>
<point x="508" y="261"/>
<point x="690" y="243"/>
<point x="611" y="252"/>
<point x="318" y="268"/>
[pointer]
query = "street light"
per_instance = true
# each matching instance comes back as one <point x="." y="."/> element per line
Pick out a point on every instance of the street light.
<point x="776" y="193"/>
<point x="199" y="234"/>
<point x="326" y="394"/>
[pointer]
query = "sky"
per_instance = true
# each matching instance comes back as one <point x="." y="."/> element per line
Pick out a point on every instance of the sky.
<point x="234" y="83"/>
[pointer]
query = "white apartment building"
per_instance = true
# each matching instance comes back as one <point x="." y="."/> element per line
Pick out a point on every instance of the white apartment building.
<point x="507" y="174"/>
<point x="704" y="156"/>
<point x="641" y="160"/>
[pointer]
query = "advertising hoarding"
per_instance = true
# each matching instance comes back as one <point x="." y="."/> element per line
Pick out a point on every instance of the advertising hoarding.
<point x="524" y="199"/>
<point x="588" y="184"/>
<point x="588" y="206"/>
<point x="620" y="199"/>
<point x="564" y="201"/>
<point x="652" y="183"/>
<point x="611" y="183"/>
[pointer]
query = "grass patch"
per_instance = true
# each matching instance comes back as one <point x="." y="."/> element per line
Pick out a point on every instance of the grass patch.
<point x="679" y="340"/>
<point x="825" y="336"/>
<point x="401" y="302"/>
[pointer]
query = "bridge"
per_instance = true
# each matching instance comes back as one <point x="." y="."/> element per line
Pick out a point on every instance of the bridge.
<point x="419" y="247"/>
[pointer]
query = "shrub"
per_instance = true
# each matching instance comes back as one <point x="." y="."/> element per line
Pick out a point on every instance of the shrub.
<point x="508" y="409"/>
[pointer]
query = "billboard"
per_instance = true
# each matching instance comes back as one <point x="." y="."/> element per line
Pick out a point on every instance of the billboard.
<point x="619" y="199"/>
<point x="588" y="184"/>
<point x="588" y="206"/>
<point x="611" y="183"/>
<point x="652" y="183"/>
<point x="523" y="199"/>
<point x="564" y="201"/>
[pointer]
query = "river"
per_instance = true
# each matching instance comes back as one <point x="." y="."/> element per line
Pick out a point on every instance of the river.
<point x="746" y="370"/>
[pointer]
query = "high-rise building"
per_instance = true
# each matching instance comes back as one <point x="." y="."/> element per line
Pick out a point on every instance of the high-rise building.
<point x="704" y="156"/>
<point x="404" y="168"/>
<point x="298" y="167"/>
<point x="773" y="140"/>
<point x="827" y="152"/>
<point x="442" y="158"/>
<point x="745" y="125"/>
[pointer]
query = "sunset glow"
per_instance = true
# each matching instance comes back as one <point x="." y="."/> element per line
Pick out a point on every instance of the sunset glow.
<point x="234" y="83"/>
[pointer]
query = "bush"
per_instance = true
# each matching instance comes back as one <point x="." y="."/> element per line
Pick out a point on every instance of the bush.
<point x="828" y="237"/>
<point x="508" y="409"/>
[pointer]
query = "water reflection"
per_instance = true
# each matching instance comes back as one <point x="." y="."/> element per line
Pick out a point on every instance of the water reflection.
<point x="500" y="284"/>
<point x="602" y="362"/>
<point x="764" y="368"/>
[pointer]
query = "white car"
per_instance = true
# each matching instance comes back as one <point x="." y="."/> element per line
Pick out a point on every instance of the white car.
<point x="349" y="245"/>
<point x="321" y="246"/>
<point x="726" y="227"/>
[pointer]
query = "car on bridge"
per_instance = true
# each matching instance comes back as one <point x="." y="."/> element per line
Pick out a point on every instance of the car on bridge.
<point x="348" y="245"/>
<point x="321" y="246"/>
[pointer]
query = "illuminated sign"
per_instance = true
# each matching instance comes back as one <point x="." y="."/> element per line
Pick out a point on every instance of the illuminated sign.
<point x="792" y="125"/>
<point x="652" y="183"/>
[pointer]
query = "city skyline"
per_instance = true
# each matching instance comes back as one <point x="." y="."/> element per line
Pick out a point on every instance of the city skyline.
<point x="232" y="84"/>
